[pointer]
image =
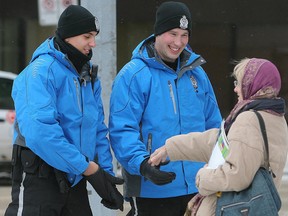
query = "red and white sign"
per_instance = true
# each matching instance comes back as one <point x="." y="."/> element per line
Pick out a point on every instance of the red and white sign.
<point x="50" y="10"/>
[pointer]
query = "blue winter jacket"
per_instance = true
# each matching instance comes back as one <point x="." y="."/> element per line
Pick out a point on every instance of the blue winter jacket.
<point x="61" y="120"/>
<point x="150" y="98"/>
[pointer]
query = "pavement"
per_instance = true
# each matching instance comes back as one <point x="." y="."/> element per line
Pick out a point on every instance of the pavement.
<point x="6" y="189"/>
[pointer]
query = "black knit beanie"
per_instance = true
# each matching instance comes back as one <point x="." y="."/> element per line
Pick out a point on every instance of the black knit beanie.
<point x="172" y="15"/>
<point x="76" y="20"/>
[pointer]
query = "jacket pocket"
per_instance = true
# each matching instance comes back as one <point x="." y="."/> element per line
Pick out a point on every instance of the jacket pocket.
<point x="30" y="161"/>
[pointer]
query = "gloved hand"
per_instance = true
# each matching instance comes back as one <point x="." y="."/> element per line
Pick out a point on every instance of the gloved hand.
<point x="155" y="175"/>
<point x="105" y="185"/>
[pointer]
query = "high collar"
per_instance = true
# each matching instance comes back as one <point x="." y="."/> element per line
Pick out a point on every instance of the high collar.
<point x="77" y="58"/>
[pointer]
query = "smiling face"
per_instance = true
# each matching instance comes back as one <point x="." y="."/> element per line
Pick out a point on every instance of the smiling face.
<point x="84" y="42"/>
<point x="170" y="44"/>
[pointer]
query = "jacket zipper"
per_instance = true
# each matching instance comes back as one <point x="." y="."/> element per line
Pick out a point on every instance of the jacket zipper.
<point x="149" y="144"/>
<point x="239" y="203"/>
<point x="78" y="94"/>
<point x="172" y="96"/>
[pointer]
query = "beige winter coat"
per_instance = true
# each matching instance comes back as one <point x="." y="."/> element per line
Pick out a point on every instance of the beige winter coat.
<point x="245" y="155"/>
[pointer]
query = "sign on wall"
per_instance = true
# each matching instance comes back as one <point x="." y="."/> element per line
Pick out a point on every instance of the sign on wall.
<point x="50" y="10"/>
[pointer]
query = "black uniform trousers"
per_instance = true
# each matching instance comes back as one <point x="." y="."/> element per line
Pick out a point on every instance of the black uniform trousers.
<point x="36" y="190"/>
<point x="174" y="206"/>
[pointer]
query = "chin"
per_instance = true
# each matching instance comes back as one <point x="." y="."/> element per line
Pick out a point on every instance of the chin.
<point x="171" y="59"/>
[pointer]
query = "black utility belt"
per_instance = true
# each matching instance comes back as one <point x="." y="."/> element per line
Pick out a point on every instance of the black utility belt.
<point x="30" y="162"/>
<point x="25" y="160"/>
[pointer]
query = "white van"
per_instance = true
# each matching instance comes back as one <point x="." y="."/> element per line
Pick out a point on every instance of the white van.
<point x="7" y="116"/>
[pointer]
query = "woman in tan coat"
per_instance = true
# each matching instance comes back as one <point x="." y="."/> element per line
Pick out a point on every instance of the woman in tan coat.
<point x="257" y="85"/>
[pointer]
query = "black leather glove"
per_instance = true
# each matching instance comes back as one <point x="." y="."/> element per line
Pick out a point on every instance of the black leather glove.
<point x="105" y="185"/>
<point x="155" y="175"/>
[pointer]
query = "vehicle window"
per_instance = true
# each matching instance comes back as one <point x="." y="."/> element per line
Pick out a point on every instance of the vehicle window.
<point x="6" y="101"/>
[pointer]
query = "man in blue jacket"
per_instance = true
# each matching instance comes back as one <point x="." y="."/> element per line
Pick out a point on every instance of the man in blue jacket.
<point x="163" y="91"/>
<point x="60" y="137"/>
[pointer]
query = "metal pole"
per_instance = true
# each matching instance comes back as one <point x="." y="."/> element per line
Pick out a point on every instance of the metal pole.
<point x="104" y="54"/>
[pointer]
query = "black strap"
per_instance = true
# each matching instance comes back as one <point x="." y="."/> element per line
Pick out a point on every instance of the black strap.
<point x="264" y="134"/>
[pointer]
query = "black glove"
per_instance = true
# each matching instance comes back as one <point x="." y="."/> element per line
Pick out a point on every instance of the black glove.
<point x="105" y="185"/>
<point x="155" y="175"/>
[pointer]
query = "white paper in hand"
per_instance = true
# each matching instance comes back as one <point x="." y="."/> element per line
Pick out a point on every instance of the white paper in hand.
<point x="220" y="151"/>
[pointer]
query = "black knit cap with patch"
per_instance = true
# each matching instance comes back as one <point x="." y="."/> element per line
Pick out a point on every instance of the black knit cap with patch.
<point x="172" y="15"/>
<point x="76" y="20"/>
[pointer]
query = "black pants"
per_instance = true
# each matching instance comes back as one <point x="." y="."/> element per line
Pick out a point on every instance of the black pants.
<point x="35" y="190"/>
<point x="174" y="206"/>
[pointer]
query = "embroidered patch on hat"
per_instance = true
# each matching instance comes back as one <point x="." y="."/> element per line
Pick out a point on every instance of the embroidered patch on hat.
<point x="172" y="15"/>
<point x="183" y="22"/>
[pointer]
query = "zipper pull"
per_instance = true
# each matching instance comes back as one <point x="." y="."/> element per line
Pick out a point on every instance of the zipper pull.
<point x="149" y="144"/>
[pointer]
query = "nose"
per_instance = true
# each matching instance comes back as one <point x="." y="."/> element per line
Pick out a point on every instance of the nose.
<point x="178" y="41"/>
<point x="92" y="42"/>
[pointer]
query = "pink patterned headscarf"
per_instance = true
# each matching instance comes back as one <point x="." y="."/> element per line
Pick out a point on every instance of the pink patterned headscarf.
<point x="261" y="79"/>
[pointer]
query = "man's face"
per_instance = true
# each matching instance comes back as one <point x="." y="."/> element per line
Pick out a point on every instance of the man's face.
<point x="170" y="44"/>
<point x="84" y="42"/>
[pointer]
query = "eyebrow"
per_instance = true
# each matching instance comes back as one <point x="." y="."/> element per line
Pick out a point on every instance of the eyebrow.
<point x="91" y="34"/>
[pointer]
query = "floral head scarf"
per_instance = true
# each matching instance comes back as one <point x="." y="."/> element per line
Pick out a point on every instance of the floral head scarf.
<point x="261" y="80"/>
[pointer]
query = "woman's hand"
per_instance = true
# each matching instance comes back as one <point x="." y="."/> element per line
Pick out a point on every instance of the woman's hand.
<point x="158" y="156"/>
